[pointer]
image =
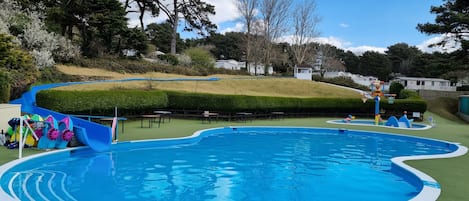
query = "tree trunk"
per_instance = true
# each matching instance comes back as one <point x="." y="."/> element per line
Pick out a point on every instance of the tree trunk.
<point x="175" y="28"/>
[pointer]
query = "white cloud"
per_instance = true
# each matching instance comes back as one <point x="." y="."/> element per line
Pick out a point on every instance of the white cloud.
<point x="331" y="40"/>
<point x="347" y="46"/>
<point x="237" y="28"/>
<point x="344" y="25"/>
<point x="339" y="43"/>
<point x="364" y="48"/>
<point x="225" y="11"/>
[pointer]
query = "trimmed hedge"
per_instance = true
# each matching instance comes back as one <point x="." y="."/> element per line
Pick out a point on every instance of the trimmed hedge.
<point x="138" y="101"/>
<point x="233" y="103"/>
<point x="102" y="102"/>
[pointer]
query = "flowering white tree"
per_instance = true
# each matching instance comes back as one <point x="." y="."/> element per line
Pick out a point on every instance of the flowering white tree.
<point x="44" y="46"/>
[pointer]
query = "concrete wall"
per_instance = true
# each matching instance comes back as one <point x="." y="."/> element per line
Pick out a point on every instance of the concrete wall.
<point x="7" y="112"/>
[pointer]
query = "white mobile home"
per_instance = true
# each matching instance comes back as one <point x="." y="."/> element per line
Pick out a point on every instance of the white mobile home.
<point x="303" y="73"/>
<point x="259" y="69"/>
<point x="417" y="83"/>
<point x="229" y="64"/>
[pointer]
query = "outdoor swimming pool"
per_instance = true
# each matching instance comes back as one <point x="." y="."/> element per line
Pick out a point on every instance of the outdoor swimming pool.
<point x="243" y="163"/>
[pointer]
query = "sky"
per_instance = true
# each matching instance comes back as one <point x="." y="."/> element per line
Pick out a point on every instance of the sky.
<point x="355" y="25"/>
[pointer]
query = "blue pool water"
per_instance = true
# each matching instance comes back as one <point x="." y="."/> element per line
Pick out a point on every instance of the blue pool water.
<point x="229" y="164"/>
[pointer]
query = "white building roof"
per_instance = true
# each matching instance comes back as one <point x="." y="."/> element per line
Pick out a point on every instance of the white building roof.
<point x="422" y="79"/>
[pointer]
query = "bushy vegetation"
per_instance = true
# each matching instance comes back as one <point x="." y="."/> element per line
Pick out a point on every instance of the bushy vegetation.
<point x="29" y="29"/>
<point x="407" y="93"/>
<point x="139" y="101"/>
<point x="262" y="104"/>
<point x="395" y="88"/>
<point x="52" y="75"/>
<point x="4" y="86"/>
<point x="18" y="63"/>
<point x="169" y="59"/>
<point x="102" y="102"/>
<point x="463" y="88"/>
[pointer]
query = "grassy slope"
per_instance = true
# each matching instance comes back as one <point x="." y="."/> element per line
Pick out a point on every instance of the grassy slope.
<point x="245" y="85"/>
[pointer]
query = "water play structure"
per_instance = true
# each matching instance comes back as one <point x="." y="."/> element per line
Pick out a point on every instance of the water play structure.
<point x="376" y="94"/>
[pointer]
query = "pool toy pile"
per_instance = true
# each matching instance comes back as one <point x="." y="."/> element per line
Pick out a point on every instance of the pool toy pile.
<point x="43" y="133"/>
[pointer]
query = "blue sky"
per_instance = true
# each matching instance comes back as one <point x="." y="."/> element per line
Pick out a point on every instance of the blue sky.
<point x="356" y="25"/>
<point x="375" y="23"/>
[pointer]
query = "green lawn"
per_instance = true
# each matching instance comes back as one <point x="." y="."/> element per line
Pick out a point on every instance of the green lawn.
<point x="452" y="173"/>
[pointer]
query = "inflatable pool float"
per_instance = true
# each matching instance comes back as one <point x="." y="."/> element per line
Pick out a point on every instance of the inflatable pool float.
<point x="66" y="132"/>
<point x="49" y="134"/>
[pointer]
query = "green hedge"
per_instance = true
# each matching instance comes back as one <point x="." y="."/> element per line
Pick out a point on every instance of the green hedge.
<point x="102" y="102"/>
<point x="233" y="103"/>
<point x="138" y="101"/>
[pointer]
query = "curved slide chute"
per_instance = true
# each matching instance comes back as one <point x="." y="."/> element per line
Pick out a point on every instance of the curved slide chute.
<point x="98" y="137"/>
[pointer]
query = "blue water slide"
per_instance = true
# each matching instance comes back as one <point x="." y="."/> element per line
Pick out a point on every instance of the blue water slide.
<point x="98" y="137"/>
<point x="392" y="121"/>
<point x="405" y="122"/>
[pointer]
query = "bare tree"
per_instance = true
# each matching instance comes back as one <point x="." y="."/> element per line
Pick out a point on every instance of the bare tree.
<point x="305" y="22"/>
<point x="274" y="15"/>
<point x="256" y="47"/>
<point x="247" y="8"/>
<point x="328" y="57"/>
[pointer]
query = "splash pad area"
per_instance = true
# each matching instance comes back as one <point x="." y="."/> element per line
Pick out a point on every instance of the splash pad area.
<point x="370" y="122"/>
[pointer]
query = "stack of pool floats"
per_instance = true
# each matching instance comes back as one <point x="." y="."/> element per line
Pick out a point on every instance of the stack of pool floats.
<point x="45" y="133"/>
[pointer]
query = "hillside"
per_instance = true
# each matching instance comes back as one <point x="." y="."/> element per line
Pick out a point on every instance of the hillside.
<point x="229" y="84"/>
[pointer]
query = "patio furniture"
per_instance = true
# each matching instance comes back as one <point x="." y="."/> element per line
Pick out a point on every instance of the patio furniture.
<point x="151" y="119"/>
<point x="207" y="116"/>
<point x="164" y="114"/>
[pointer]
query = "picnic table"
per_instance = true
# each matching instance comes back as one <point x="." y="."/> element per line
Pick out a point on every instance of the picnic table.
<point x="164" y="114"/>
<point x="151" y="119"/>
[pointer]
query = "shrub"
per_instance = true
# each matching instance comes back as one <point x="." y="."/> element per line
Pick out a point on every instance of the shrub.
<point x="169" y="59"/>
<point x="102" y="102"/>
<point x="407" y="93"/>
<point x="395" y="88"/>
<point x="18" y="63"/>
<point x="132" y="102"/>
<point x="200" y="57"/>
<point x="4" y="86"/>
<point x="235" y="103"/>
<point x="463" y="88"/>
